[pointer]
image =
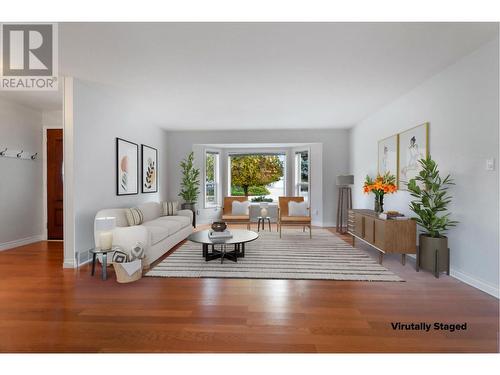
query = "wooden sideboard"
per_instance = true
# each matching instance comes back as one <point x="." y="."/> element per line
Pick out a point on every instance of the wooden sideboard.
<point x="387" y="236"/>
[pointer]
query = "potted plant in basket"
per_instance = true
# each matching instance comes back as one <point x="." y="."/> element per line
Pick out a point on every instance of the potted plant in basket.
<point x="190" y="184"/>
<point x="383" y="184"/>
<point x="430" y="206"/>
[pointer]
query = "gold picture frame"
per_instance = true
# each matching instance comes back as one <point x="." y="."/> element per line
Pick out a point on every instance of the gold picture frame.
<point x="413" y="145"/>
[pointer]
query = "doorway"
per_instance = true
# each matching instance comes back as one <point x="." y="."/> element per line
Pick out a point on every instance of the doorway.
<point x="55" y="191"/>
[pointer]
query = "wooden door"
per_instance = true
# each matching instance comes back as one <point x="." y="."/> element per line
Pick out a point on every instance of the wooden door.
<point x="55" y="217"/>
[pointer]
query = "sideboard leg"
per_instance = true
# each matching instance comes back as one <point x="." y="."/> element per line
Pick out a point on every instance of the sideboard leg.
<point x="380" y="257"/>
<point x="353" y="239"/>
<point x="403" y="259"/>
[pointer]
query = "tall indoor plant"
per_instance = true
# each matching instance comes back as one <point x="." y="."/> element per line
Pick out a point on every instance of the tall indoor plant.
<point x="383" y="184"/>
<point x="430" y="205"/>
<point x="190" y="184"/>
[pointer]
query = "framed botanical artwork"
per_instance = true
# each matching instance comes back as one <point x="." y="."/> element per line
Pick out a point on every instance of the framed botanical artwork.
<point x="388" y="156"/>
<point x="149" y="156"/>
<point x="127" y="167"/>
<point x="413" y="146"/>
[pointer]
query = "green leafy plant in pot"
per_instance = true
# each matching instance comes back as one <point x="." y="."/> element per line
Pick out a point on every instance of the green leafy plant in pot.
<point x="190" y="184"/>
<point x="430" y="206"/>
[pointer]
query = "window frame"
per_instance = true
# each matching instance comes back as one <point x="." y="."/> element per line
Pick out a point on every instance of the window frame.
<point x="217" y="182"/>
<point x="297" y="174"/>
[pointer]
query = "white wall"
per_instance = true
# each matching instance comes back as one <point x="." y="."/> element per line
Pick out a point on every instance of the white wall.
<point x="21" y="181"/>
<point x="461" y="104"/>
<point x="100" y="114"/>
<point x="332" y="149"/>
<point x="52" y="118"/>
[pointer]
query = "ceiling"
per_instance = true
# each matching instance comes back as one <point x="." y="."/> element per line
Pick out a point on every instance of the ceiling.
<point x="191" y="76"/>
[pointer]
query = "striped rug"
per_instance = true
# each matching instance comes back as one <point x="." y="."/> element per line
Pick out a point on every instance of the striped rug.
<point x="295" y="256"/>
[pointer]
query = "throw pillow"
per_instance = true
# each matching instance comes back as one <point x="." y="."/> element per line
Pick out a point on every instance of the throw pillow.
<point x="137" y="251"/>
<point x="297" y="209"/>
<point x="119" y="257"/>
<point x="240" y="208"/>
<point x="134" y="216"/>
<point x="170" y="208"/>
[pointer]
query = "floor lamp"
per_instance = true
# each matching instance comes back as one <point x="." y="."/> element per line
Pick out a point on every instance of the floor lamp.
<point x="344" y="201"/>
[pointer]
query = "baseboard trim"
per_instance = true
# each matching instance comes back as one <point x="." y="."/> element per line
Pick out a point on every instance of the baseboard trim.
<point x="470" y="280"/>
<point x="23" y="241"/>
<point x="476" y="283"/>
<point x="69" y="263"/>
<point x="327" y="225"/>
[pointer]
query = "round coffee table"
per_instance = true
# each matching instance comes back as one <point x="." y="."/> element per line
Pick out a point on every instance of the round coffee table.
<point x="240" y="237"/>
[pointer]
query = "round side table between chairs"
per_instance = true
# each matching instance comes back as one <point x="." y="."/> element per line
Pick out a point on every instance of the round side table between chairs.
<point x="263" y="219"/>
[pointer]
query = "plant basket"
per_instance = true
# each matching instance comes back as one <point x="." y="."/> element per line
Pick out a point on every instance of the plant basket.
<point x="123" y="277"/>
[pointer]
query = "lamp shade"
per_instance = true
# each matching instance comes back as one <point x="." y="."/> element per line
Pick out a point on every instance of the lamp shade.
<point x="344" y="180"/>
<point x="105" y="223"/>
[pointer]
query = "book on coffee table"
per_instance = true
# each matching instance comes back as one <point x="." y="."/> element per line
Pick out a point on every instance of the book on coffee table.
<point x="219" y="235"/>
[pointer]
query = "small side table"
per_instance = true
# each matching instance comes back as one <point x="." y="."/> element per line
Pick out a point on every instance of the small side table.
<point x="104" y="254"/>
<point x="262" y="220"/>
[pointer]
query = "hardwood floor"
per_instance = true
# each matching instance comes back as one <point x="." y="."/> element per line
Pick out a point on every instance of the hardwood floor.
<point x="44" y="308"/>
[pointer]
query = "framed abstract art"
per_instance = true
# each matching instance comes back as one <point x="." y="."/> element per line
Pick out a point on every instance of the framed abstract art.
<point x="413" y="146"/>
<point x="149" y="156"/>
<point x="388" y="155"/>
<point x="127" y="167"/>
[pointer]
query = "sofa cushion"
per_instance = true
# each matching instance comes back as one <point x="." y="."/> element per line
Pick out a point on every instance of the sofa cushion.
<point x="150" y="210"/>
<point x="134" y="216"/>
<point x="170" y="208"/>
<point x="184" y="221"/>
<point x="161" y="229"/>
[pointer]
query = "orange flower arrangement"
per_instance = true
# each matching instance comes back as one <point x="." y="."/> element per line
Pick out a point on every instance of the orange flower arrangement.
<point x="383" y="184"/>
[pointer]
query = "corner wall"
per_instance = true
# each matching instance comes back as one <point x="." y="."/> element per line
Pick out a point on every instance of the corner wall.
<point x="21" y="189"/>
<point x="100" y="114"/>
<point x="461" y="103"/>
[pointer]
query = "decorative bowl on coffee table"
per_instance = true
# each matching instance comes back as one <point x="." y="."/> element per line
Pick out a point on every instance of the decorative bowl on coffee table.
<point x="219" y="226"/>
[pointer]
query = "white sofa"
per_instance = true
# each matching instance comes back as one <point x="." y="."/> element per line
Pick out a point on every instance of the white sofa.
<point x="157" y="232"/>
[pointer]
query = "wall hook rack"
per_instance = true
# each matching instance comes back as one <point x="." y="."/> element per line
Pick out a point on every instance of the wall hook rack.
<point x="18" y="154"/>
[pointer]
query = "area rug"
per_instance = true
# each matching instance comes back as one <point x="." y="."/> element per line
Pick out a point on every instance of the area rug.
<point x="295" y="256"/>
